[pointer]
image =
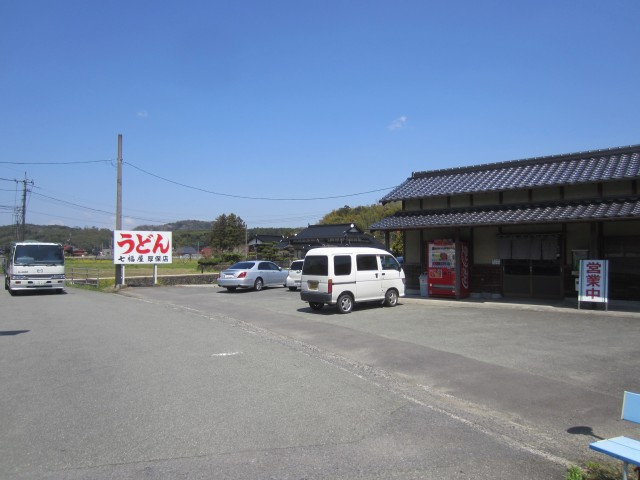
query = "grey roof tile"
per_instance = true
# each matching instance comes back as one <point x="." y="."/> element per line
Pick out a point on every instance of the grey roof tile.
<point x="587" y="167"/>
<point x="326" y="231"/>
<point x="605" y="209"/>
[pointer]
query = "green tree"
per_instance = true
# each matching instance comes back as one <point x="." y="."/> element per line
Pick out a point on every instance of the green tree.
<point x="218" y="227"/>
<point x="397" y="244"/>
<point x="191" y="238"/>
<point x="270" y="251"/>
<point x="363" y="217"/>
<point x="228" y="232"/>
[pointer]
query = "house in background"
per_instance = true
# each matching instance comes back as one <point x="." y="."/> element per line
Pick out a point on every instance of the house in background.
<point x="257" y="240"/>
<point x="528" y="222"/>
<point x="255" y="243"/>
<point x="187" y="252"/>
<point x="343" y="234"/>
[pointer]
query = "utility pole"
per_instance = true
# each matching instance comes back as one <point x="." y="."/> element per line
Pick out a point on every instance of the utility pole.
<point x="119" y="267"/>
<point x="23" y="221"/>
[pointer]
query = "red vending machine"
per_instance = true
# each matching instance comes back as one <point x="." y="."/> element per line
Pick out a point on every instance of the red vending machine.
<point x="442" y="268"/>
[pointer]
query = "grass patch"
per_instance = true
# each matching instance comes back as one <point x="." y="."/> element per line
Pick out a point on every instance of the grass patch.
<point x="596" y="471"/>
<point x="107" y="269"/>
<point x="104" y="284"/>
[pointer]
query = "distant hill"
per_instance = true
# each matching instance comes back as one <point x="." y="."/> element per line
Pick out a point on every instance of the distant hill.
<point x="186" y="233"/>
<point x="88" y="239"/>
<point x="177" y="226"/>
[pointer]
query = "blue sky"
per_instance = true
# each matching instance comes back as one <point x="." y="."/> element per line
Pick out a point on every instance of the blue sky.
<point x="282" y="111"/>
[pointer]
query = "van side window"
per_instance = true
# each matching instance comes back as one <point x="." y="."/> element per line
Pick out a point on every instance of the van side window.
<point x="316" y="265"/>
<point x="389" y="263"/>
<point x="342" y="265"/>
<point x="367" y="262"/>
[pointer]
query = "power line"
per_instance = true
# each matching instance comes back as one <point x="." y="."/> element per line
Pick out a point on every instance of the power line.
<point x="108" y="224"/>
<point x="71" y="203"/>
<point x="191" y="187"/>
<point x="129" y="213"/>
<point x="254" y="198"/>
<point x="59" y="163"/>
<point x="96" y="210"/>
<point x="203" y="190"/>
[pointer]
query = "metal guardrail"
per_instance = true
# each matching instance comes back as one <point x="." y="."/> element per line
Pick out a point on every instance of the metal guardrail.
<point x="84" y="276"/>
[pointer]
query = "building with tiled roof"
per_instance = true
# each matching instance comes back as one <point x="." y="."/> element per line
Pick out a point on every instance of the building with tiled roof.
<point x="527" y="221"/>
<point x="262" y="239"/>
<point x="337" y="234"/>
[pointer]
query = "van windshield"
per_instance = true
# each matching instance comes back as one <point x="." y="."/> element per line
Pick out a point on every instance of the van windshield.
<point x="389" y="263"/>
<point x="38" y="254"/>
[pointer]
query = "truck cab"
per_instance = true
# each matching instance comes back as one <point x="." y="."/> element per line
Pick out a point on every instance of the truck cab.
<point x="33" y="265"/>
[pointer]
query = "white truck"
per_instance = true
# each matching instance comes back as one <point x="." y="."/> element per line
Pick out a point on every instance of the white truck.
<point x="31" y="265"/>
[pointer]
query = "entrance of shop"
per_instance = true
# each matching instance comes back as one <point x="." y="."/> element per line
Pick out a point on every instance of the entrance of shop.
<point x="532" y="278"/>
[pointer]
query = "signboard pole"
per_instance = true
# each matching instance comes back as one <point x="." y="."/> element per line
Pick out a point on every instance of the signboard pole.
<point x="458" y="280"/>
<point x="119" y="266"/>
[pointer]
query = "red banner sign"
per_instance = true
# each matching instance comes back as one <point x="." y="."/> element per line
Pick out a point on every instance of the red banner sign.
<point x="137" y="248"/>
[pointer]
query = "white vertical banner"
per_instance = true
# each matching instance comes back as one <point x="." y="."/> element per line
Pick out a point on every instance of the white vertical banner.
<point x="594" y="281"/>
<point x="139" y="248"/>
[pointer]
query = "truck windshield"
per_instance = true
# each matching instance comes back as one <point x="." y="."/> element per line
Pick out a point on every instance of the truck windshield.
<point x="38" y="255"/>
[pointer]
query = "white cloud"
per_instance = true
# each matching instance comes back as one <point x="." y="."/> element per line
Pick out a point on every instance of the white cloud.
<point x="143" y="114"/>
<point x="398" y="123"/>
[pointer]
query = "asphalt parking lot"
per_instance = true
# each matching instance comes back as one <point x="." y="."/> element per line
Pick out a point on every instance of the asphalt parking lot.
<point x="198" y="382"/>
<point x="549" y="373"/>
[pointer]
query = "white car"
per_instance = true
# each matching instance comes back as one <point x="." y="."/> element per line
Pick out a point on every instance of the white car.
<point x="252" y="274"/>
<point x="295" y="274"/>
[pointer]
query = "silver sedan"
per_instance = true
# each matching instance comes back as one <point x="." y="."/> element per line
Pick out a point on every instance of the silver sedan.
<point x="252" y="274"/>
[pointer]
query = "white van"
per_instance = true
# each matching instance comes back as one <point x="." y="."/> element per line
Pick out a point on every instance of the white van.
<point x="343" y="276"/>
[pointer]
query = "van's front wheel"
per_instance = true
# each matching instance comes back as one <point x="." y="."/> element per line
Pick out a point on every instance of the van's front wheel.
<point x="345" y="303"/>
<point x="391" y="298"/>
